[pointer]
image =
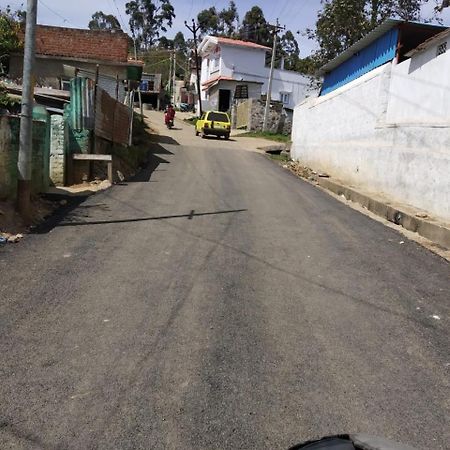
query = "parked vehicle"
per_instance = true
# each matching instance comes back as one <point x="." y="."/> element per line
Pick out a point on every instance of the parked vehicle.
<point x="215" y="123"/>
<point x="186" y="107"/>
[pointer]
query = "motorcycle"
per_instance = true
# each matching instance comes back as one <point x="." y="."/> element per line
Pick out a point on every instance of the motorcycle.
<point x="169" y="124"/>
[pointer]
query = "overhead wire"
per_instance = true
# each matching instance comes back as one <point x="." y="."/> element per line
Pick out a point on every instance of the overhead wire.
<point x="125" y="27"/>
<point x="65" y="20"/>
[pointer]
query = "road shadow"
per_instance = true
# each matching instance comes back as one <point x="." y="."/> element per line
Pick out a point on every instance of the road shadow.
<point x="218" y="138"/>
<point x="72" y="202"/>
<point x="163" y="139"/>
<point x="154" y="160"/>
<point x="189" y="216"/>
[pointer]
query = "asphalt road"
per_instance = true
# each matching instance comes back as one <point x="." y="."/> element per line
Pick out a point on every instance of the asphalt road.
<point x="218" y="302"/>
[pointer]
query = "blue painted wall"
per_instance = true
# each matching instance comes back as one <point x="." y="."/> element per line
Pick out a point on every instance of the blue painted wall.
<point x="377" y="53"/>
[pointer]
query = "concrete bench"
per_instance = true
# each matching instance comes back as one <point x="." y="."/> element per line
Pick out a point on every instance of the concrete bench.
<point x="95" y="157"/>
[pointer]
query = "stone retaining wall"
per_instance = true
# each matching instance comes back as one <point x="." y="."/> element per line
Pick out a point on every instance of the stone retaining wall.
<point x="278" y="121"/>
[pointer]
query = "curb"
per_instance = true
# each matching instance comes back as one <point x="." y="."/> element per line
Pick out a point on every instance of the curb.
<point x="424" y="227"/>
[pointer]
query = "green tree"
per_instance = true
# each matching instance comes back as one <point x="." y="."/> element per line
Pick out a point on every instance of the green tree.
<point x="179" y="43"/>
<point x="341" y="23"/>
<point x="102" y="21"/>
<point x="10" y="36"/>
<point x="208" y="21"/>
<point x="165" y="43"/>
<point x="289" y="50"/>
<point x="255" y="28"/>
<point x="219" y="23"/>
<point x="229" y="19"/>
<point x="148" y="19"/>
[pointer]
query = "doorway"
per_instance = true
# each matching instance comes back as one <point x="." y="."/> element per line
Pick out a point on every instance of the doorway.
<point x="224" y="99"/>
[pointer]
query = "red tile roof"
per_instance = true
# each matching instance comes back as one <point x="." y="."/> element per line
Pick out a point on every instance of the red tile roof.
<point x="217" y="78"/>
<point x="229" y="41"/>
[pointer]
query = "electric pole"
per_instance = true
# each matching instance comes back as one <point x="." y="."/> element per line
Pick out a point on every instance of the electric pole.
<point x="276" y="28"/>
<point x="24" y="161"/>
<point x="169" y="81"/>
<point x="194" y="30"/>
<point x="174" y="76"/>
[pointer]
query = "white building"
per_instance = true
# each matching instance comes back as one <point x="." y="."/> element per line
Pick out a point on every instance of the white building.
<point x="237" y="69"/>
<point x="382" y="121"/>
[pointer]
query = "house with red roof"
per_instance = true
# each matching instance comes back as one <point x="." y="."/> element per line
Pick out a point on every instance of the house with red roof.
<point x="233" y="69"/>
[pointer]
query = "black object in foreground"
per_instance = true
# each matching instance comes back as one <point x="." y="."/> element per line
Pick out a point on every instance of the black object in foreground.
<point x="351" y="442"/>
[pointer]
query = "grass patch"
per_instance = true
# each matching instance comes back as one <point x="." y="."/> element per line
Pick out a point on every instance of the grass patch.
<point x="277" y="137"/>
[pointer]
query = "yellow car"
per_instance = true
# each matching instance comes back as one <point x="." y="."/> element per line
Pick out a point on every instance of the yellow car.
<point x="215" y="123"/>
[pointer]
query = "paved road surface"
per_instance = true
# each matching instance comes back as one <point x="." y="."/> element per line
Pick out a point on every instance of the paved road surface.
<point x="218" y="302"/>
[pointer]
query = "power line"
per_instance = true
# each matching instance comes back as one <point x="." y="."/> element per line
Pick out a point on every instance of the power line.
<point x="190" y="10"/>
<point x="120" y="16"/>
<point x="283" y="8"/>
<point x="54" y="12"/>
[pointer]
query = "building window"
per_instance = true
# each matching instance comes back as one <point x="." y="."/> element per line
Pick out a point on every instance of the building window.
<point x="241" y="91"/>
<point x="285" y="98"/>
<point x="441" y="49"/>
<point x="65" y="84"/>
<point x="214" y="67"/>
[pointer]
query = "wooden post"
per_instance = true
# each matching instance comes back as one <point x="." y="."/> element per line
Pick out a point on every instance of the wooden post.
<point x="140" y="105"/>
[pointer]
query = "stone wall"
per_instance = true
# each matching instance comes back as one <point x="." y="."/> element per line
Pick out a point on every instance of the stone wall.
<point x="278" y="121"/>
<point x="9" y="151"/>
<point x="58" y="146"/>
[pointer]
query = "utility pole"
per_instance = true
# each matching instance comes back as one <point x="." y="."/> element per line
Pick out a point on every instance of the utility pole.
<point x="194" y="30"/>
<point x="276" y="28"/>
<point x="26" y="116"/>
<point x="169" y="80"/>
<point x="174" y="76"/>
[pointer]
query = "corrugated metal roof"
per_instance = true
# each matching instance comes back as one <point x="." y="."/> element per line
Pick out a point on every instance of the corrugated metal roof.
<point x="106" y="82"/>
<point x="429" y="42"/>
<point x="363" y="42"/>
<point x="377" y="32"/>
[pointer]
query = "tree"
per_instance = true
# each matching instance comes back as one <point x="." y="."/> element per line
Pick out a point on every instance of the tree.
<point x="165" y="43"/>
<point x="102" y="21"/>
<point x="341" y="23"/>
<point x="223" y="23"/>
<point x="148" y="19"/>
<point x="179" y="43"/>
<point x="229" y="19"/>
<point x="254" y="27"/>
<point x="10" y="36"/>
<point x="289" y="50"/>
<point x="208" y="21"/>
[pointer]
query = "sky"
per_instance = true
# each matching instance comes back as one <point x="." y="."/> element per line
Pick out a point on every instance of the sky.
<point x="296" y="15"/>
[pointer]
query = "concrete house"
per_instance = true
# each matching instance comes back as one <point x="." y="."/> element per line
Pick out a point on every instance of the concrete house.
<point x="382" y="119"/>
<point x="60" y="50"/>
<point x="233" y="69"/>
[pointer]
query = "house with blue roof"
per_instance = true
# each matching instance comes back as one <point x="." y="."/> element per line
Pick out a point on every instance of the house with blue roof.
<point x="381" y="120"/>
